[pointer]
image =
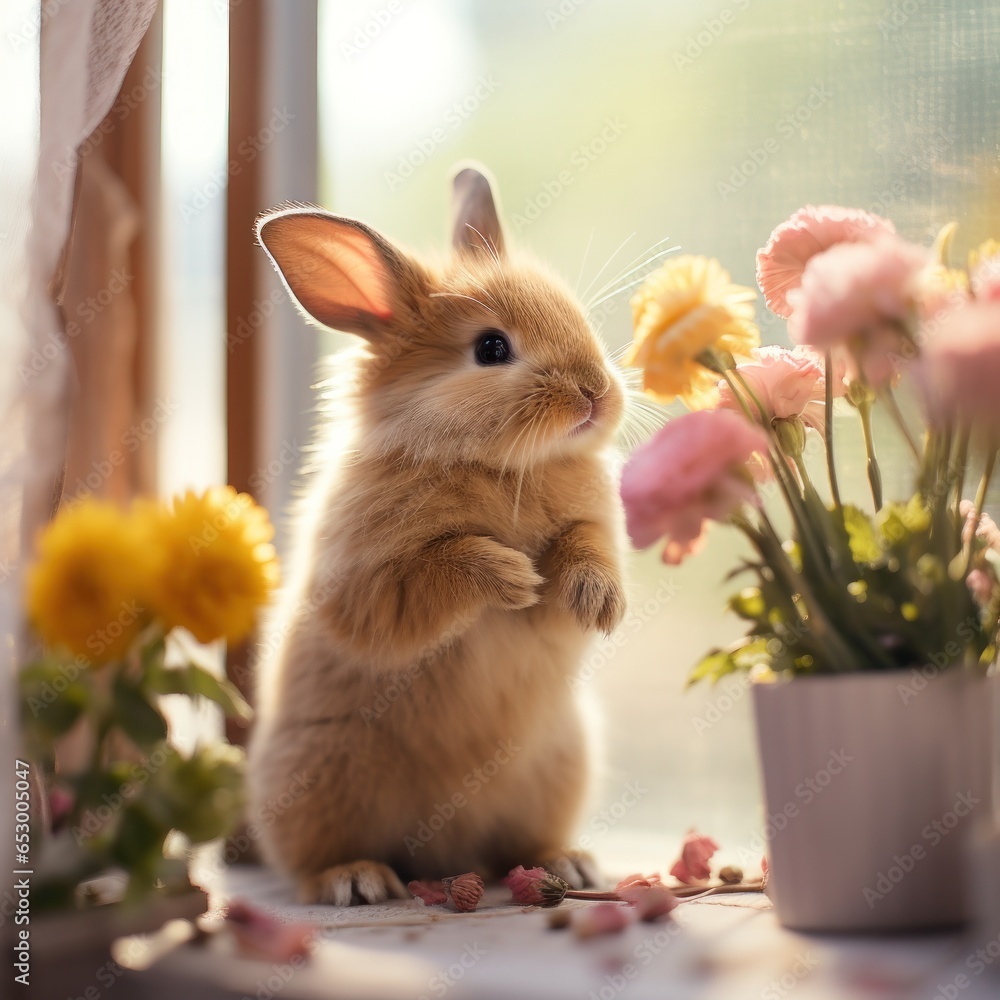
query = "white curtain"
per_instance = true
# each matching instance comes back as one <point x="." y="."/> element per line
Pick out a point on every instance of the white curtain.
<point x="65" y="63"/>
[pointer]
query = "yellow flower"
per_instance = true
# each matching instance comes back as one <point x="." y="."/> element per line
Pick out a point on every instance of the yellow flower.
<point x="83" y="588"/>
<point x="216" y="565"/>
<point x="687" y="306"/>
<point x="987" y="250"/>
<point x="984" y="269"/>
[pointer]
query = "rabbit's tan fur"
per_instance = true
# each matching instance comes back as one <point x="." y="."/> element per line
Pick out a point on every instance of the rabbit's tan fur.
<point x="458" y="545"/>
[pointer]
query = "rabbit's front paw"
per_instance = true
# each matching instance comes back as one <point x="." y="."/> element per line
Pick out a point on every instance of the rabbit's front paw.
<point x="509" y="577"/>
<point x="351" y="884"/>
<point x="593" y="594"/>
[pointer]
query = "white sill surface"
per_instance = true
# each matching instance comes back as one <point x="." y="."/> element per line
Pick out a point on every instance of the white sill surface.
<point x="727" y="947"/>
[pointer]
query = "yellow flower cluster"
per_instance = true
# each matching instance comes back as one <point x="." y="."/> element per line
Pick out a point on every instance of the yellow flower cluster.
<point x="204" y="562"/>
<point x="685" y="308"/>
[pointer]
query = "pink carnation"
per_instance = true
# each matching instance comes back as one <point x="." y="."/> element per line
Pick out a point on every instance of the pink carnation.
<point x="959" y="371"/>
<point x="859" y="295"/>
<point x="787" y="383"/>
<point x="692" y="867"/>
<point x="691" y="471"/>
<point x="808" y="232"/>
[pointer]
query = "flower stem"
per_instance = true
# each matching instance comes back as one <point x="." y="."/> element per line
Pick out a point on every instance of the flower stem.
<point x="739" y="397"/>
<point x="831" y="467"/>
<point x="984" y="485"/>
<point x="961" y="460"/>
<point x="897" y="415"/>
<point x="756" y="401"/>
<point x="874" y="473"/>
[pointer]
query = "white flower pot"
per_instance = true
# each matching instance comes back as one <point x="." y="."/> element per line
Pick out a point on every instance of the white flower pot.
<point x="873" y="782"/>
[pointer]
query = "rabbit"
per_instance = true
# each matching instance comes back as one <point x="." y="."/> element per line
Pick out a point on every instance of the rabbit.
<point x="460" y="540"/>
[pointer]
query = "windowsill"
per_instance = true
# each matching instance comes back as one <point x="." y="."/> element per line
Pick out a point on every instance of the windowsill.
<point x="728" y="947"/>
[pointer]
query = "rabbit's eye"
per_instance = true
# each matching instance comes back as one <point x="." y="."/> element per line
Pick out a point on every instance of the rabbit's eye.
<point x="493" y="348"/>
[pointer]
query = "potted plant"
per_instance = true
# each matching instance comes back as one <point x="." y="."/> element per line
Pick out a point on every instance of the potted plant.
<point x="119" y="598"/>
<point x="872" y="628"/>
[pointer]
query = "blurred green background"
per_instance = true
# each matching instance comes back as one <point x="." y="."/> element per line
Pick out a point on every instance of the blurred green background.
<point x="613" y="126"/>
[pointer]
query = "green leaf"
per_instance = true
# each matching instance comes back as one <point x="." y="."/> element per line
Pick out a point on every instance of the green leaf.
<point x="749" y="604"/>
<point x="752" y="652"/>
<point x="139" y="839"/>
<point x="898" y="523"/>
<point x="222" y="691"/>
<point x="53" y="696"/>
<point x="141" y="721"/>
<point x="712" y="667"/>
<point x="196" y="681"/>
<point x="865" y="547"/>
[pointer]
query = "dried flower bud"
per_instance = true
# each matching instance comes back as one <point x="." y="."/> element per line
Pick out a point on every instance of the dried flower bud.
<point x="465" y="891"/>
<point x="430" y="892"/>
<point x="560" y="919"/>
<point x="536" y="886"/>
<point x="731" y="875"/>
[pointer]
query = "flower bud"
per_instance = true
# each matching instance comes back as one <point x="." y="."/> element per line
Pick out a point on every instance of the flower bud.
<point x="465" y="891"/>
<point x="791" y="433"/>
<point x="859" y="393"/>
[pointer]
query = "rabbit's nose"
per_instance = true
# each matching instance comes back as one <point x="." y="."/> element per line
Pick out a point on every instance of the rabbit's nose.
<point x="595" y="388"/>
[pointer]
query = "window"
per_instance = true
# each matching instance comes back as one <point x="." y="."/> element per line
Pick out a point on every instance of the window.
<point x="613" y="128"/>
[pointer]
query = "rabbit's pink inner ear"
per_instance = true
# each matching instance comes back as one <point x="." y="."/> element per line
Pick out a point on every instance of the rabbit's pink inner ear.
<point x="337" y="269"/>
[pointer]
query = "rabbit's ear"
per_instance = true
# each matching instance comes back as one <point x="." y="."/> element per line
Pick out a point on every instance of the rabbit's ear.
<point x="475" y="220"/>
<point x="341" y="273"/>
